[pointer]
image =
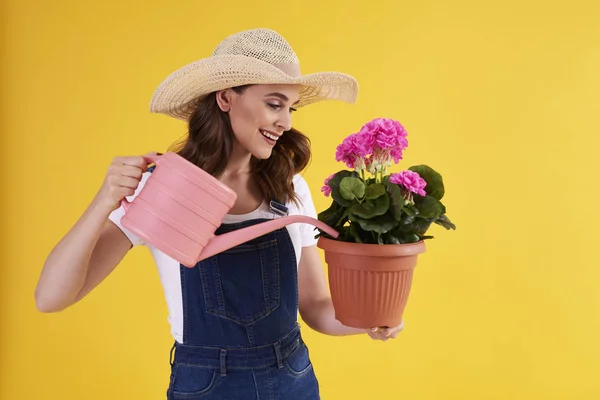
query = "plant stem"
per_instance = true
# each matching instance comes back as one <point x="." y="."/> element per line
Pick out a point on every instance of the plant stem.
<point x="378" y="175"/>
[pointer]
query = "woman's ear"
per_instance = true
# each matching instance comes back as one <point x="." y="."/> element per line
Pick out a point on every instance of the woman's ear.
<point x="224" y="100"/>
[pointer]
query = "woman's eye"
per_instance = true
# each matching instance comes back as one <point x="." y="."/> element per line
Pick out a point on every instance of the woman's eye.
<point x="278" y="106"/>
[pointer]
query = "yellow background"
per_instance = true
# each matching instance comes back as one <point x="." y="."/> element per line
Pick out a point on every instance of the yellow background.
<point x="501" y="98"/>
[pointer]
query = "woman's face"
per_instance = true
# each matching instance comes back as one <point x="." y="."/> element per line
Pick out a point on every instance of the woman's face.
<point x="259" y="115"/>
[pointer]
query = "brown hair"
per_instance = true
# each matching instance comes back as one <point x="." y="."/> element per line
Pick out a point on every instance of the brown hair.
<point x="209" y="144"/>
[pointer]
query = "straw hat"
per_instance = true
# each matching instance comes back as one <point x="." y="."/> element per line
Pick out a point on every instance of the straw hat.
<point x="256" y="56"/>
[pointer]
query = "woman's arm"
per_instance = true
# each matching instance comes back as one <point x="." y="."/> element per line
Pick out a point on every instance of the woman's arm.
<point x="94" y="246"/>
<point x="316" y="307"/>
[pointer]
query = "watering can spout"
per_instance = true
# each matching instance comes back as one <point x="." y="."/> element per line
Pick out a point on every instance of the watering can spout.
<point x="226" y="241"/>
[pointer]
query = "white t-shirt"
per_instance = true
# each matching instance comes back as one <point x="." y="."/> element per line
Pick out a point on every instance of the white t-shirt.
<point x="302" y="235"/>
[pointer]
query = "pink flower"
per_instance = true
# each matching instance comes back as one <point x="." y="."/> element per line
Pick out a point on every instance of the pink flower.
<point x="387" y="133"/>
<point x="380" y="139"/>
<point x="353" y="150"/>
<point x="367" y="141"/>
<point x="396" y="154"/>
<point x="326" y="189"/>
<point x="411" y="181"/>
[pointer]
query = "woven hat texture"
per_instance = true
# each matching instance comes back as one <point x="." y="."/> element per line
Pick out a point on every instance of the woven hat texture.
<point x="256" y="56"/>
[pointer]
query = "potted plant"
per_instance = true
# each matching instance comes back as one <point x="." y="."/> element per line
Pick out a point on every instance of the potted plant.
<point x="383" y="219"/>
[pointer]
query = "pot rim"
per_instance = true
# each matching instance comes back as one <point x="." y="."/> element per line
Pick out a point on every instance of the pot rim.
<point x="372" y="250"/>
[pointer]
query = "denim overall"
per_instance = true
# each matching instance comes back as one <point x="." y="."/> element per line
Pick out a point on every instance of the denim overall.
<point x="241" y="339"/>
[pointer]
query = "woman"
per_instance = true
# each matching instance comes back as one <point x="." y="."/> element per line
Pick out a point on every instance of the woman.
<point x="234" y="315"/>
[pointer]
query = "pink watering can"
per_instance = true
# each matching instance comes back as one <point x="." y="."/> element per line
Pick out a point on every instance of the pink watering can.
<point x="181" y="206"/>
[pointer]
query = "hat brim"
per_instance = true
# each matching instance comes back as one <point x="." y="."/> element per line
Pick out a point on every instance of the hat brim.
<point x="175" y="95"/>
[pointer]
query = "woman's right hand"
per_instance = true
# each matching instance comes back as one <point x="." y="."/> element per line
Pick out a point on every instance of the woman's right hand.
<point x="122" y="179"/>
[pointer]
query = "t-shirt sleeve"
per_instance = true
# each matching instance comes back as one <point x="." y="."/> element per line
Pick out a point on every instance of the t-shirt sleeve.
<point x="117" y="214"/>
<point x="306" y="207"/>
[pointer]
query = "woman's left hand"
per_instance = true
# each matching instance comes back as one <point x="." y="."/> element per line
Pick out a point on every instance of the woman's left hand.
<point x="384" y="333"/>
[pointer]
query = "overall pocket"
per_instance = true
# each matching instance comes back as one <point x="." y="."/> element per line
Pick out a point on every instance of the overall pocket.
<point x="192" y="382"/>
<point x="298" y="362"/>
<point x="242" y="284"/>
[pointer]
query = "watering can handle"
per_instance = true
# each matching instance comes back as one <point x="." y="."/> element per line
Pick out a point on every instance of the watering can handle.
<point x="226" y="241"/>
<point x="150" y="159"/>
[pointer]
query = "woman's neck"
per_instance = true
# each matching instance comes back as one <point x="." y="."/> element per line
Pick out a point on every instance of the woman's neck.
<point x="238" y="176"/>
<point x="239" y="162"/>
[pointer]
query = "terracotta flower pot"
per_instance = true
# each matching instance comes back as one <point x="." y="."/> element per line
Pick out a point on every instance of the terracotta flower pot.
<point x="370" y="283"/>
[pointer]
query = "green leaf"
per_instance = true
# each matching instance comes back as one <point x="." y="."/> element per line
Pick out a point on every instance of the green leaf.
<point x="412" y="238"/>
<point x="408" y="219"/>
<point x="371" y="208"/>
<point x="370" y="181"/>
<point x="428" y="207"/>
<point x="344" y="234"/>
<point x="419" y="226"/>
<point x="435" y="184"/>
<point x="325" y="216"/>
<point x="343" y="218"/>
<point x="393" y="239"/>
<point x="396" y="236"/>
<point x="354" y="231"/>
<point x="352" y="188"/>
<point x="374" y="191"/>
<point x="334" y="184"/>
<point x="336" y="219"/>
<point x="422" y="225"/>
<point x="380" y="224"/>
<point x="445" y="222"/>
<point x="333" y="216"/>
<point x="410" y="210"/>
<point x="396" y="200"/>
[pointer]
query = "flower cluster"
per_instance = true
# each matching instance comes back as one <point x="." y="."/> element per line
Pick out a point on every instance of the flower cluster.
<point x="372" y="149"/>
<point x="394" y="208"/>
<point x="374" y="146"/>
<point x="411" y="181"/>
